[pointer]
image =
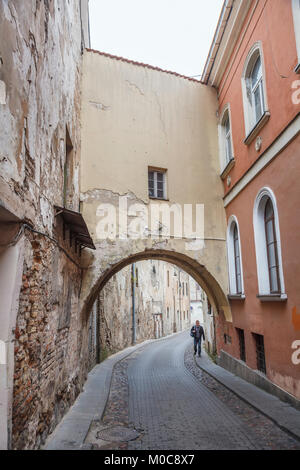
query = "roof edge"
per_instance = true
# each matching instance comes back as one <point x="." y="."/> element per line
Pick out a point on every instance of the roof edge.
<point x="141" y="64"/>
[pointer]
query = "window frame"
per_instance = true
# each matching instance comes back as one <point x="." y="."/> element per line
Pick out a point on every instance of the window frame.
<point x="260" y="353"/>
<point x="251" y="122"/>
<point x="262" y="265"/>
<point x="224" y="138"/>
<point x="269" y="243"/>
<point x="242" y="343"/>
<point x="155" y="172"/>
<point x="231" y="253"/>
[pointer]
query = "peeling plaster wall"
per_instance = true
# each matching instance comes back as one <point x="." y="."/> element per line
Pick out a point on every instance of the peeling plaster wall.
<point x="40" y="77"/>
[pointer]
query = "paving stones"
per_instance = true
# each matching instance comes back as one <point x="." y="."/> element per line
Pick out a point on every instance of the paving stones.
<point x="268" y="435"/>
<point x="179" y="407"/>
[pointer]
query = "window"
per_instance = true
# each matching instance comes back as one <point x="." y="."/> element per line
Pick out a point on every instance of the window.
<point x="268" y="246"/>
<point x="260" y="353"/>
<point x="237" y="260"/>
<point x="168" y="312"/>
<point x="254" y="93"/>
<point x="168" y="278"/>
<point x="157" y="184"/>
<point x="227" y="339"/>
<point x="234" y="258"/>
<point x="272" y="253"/>
<point x="241" y="336"/>
<point x="225" y="140"/>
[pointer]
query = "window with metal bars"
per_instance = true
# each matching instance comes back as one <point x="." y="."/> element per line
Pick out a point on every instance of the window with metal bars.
<point x="157" y="184"/>
<point x="272" y="252"/>
<point x="260" y="353"/>
<point x="241" y="336"/>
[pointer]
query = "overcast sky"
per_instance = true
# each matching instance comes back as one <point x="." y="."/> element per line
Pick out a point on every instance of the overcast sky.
<point x="170" y="34"/>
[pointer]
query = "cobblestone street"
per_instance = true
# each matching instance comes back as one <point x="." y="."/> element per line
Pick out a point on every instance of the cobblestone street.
<point x="161" y="393"/>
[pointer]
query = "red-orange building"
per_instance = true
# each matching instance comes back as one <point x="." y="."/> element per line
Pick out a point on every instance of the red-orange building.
<point x="254" y="63"/>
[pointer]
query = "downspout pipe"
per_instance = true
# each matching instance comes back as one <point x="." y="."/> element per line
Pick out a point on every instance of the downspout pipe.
<point x="133" y="303"/>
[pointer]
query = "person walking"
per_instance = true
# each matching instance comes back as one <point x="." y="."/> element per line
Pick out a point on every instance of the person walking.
<point x="197" y="332"/>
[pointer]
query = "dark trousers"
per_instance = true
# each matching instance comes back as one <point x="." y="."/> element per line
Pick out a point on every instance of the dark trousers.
<point x="197" y="345"/>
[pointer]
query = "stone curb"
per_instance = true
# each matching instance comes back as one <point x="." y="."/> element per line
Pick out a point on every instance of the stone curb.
<point x="281" y="413"/>
<point x="90" y="405"/>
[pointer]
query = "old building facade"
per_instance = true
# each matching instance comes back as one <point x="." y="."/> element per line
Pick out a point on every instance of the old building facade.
<point x="41" y="44"/>
<point x="255" y="71"/>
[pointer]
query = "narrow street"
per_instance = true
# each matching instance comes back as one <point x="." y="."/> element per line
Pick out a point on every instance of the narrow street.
<point x="161" y="393"/>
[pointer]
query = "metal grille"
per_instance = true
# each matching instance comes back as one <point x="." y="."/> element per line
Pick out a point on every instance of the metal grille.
<point x="260" y="353"/>
<point x="241" y="335"/>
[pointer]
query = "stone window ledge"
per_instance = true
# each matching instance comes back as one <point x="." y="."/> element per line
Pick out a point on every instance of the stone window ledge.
<point x="272" y="297"/>
<point x="258" y="126"/>
<point x="227" y="168"/>
<point x="297" y="68"/>
<point x="236" y="297"/>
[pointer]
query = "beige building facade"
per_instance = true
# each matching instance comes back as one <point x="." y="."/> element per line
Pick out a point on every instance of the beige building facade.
<point x="139" y="124"/>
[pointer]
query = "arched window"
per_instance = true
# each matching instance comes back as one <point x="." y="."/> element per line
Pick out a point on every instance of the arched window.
<point x="254" y="93"/>
<point x="234" y="258"/>
<point x="237" y="260"/>
<point x="268" y="246"/>
<point x="272" y="251"/>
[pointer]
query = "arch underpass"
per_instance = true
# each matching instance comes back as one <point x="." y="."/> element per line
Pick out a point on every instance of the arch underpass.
<point x="149" y="142"/>
<point x="191" y="266"/>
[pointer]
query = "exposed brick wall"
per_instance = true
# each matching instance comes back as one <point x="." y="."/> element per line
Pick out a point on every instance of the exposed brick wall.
<point x="48" y="372"/>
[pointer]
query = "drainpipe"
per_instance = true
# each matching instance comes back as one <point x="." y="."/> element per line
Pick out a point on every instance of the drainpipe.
<point x="133" y="303"/>
<point x="98" y="340"/>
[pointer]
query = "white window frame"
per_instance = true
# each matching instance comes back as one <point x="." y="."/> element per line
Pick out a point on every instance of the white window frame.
<point x="261" y="244"/>
<point x="249" y="107"/>
<point x="155" y="172"/>
<point x="224" y="160"/>
<point x="232" y="222"/>
<point x="296" y="17"/>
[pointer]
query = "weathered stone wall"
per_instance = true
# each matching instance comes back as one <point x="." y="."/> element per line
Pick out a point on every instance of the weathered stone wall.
<point x="152" y="319"/>
<point x="41" y="45"/>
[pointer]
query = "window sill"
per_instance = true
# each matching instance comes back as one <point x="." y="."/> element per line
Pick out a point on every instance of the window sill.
<point x="227" y="168"/>
<point x="272" y="297"/>
<point x="258" y="126"/>
<point x="158" y="198"/>
<point x="236" y="297"/>
<point x="297" y="68"/>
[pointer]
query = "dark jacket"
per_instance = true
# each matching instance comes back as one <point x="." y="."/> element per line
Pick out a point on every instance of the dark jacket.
<point x="201" y="331"/>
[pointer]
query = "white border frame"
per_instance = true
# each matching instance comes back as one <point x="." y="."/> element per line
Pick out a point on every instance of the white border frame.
<point x="249" y="62"/>
<point x="260" y="242"/>
<point x="231" y="261"/>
